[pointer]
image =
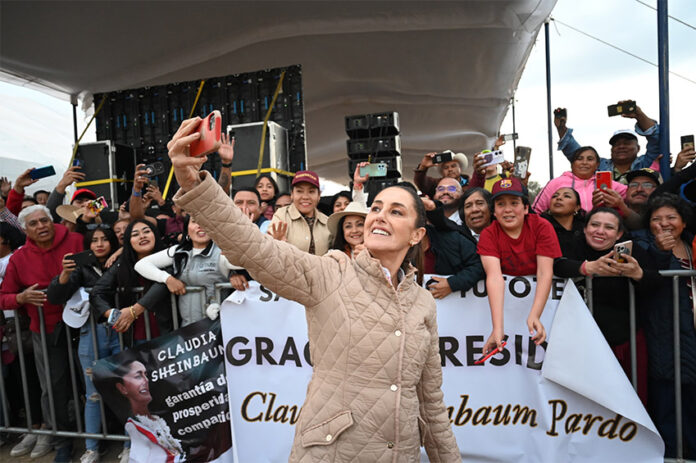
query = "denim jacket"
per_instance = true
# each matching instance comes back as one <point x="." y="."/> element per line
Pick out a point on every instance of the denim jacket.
<point x="568" y="144"/>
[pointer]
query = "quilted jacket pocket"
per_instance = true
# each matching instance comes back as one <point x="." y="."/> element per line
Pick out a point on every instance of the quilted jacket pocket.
<point x="327" y="432"/>
<point x="422" y="430"/>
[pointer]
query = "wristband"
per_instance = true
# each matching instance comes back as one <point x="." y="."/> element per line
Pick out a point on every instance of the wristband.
<point x="135" y="317"/>
<point x="358" y="186"/>
<point x="137" y="194"/>
<point x="583" y="270"/>
<point x="227" y="165"/>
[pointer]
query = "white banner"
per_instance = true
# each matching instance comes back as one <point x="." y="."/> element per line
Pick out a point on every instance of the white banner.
<point x="569" y="401"/>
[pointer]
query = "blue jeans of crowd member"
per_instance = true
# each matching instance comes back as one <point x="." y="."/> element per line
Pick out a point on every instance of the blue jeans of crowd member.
<point x="107" y="344"/>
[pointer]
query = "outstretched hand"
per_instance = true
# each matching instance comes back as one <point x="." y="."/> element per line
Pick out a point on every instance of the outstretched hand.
<point x="278" y="231"/>
<point x="186" y="167"/>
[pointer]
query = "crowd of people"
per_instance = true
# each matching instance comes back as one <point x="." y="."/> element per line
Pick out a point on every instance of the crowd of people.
<point x="475" y="226"/>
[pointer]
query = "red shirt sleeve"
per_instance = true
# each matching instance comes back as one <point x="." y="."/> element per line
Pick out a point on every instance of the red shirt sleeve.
<point x="14" y="202"/>
<point x="9" y="288"/>
<point x="487" y="245"/>
<point x="546" y="239"/>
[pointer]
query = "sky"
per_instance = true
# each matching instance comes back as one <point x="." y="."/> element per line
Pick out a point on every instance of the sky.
<point x="586" y="77"/>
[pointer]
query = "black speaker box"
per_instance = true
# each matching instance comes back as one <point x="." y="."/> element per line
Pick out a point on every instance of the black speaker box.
<point x="110" y="164"/>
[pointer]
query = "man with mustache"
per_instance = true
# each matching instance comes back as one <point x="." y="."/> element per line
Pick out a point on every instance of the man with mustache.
<point x="449" y="192"/>
<point x="624" y="145"/>
<point x="641" y="184"/>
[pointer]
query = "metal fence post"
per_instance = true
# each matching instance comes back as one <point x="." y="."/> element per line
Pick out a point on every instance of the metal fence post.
<point x="632" y="325"/>
<point x="47" y="368"/>
<point x="677" y="367"/>
<point x="588" y="293"/>
<point x="23" y="368"/>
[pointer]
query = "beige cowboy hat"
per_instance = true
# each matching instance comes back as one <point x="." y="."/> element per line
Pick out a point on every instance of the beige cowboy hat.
<point x="68" y="212"/>
<point x="352" y="208"/>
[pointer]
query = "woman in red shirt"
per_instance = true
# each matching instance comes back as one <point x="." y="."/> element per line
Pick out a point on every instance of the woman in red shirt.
<point x="516" y="243"/>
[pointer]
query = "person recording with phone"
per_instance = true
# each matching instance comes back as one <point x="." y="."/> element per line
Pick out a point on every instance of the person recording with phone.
<point x="367" y="320"/>
<point x="624" y="143"/>
<point x="449" y="164"/>
<point x="30" y="269"/>
<point x="596" y="253"/>
<point x="81" y="271"/>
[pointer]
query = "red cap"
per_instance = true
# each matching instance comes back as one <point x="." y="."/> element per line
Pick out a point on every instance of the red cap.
<point x="508" y="186"/>
<point x="83" y="192"/>
<point x="306" y="176"/>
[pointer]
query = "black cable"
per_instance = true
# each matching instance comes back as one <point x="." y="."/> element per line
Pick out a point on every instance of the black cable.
<point x="619" y="49"/>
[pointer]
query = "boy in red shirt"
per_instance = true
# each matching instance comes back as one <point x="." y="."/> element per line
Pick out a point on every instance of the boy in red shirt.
<point x="516" y="243"/>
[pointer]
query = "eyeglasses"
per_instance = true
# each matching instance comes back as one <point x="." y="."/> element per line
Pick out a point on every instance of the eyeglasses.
<point x="97" y="226"/>
<point x="450" y="188"/>
<point x="645" y="185"/>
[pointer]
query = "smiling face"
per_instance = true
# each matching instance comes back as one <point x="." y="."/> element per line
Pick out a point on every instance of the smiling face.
<point x="265" y="189"/>
<point x="602" y="231"/>
<point x="509" y="212"/>
<point x="451" y="169"/>
<point x="624" y="150"/>
<point x="142" y="239"/>
<point x="305" y="197"/>
<point x="340" y="204"/>
<point x="390" y="226"/>
<point x="100" y="245"/>
<point x="448" y="191"/>
<point x="477" y="214"/>
<point x="585" y="164"/>
<point x="667" y="220"/>
<point x="354" y="230"/>
<point x="199" y="237"/>
<point x="639" y="190"/>
<point x="40" y="228"/>
<point x="564" y="202"/>
<point x="135" y="386"/>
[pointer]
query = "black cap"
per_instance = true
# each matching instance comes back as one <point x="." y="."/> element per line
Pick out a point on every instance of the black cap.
<point x="644" y="172"/>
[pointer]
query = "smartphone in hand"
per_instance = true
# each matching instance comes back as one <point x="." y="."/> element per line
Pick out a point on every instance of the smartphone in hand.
<point x="622" y="249"/>
<point x="445" y="156"/>
<point x="374" y="170"/>
<point x="210" y="129"/>
<point x="603" y="179"/>
<point x="617" y="109"/>
<point x="83" y="259"/>
<point x="687" y="141"/>
<point x="42" y="172"/>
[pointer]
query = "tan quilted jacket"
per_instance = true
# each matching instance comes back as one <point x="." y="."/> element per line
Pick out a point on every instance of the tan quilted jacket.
<point x="375" y="391"/>
<point x="298" y="230"/>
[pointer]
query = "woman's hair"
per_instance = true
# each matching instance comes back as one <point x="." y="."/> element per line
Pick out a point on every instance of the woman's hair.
<point x="107" y="374"/>
<point x="414" y="256"/>
<point x="607" y="210"/>
<point x="340" y="194"/>
<point x="11" y="236"/>
<point x="276" y="189"/>
<point x="339" y="241"/>
<point x="668" y="200"/>
<point x="581" y="212"/>
<point x="581" y="150"/>
<point x="127" y="276"/>
<point x="108" y="233"/>
<point x="485" y="194"/>
<point x="181" y="258"/>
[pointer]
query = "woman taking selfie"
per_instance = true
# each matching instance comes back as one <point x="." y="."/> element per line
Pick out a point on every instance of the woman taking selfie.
<point x="375" y="388"/>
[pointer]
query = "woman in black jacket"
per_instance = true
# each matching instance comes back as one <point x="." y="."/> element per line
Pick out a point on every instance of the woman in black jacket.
<point x="113" y="291"/>
<point x="566" y="216"/>
<point x="667" y="242"/>
<point x="101" y="241"/>
<point x="593" y="254"/>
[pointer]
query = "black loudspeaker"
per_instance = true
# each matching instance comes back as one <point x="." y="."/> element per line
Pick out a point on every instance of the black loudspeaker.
<point x="380" y="146"/>
<point x="375" y="185"/>
<point x="109" y="168"/>
<point x="384" y="124"/>
<point x="247" y="143"/>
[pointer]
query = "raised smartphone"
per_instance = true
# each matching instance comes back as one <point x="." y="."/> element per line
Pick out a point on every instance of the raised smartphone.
<point x="42" y="172"/>
<point x="378" y="169"/>
<point x="209" y="129"/>
<point x="603" y="179"/>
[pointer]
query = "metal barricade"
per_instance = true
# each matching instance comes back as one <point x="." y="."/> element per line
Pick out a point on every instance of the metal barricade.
<point x="674" y="275"/>
<point x="73" y="373"/>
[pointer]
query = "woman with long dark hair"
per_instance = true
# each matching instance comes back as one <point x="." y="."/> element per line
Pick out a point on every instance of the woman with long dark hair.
<point x="268" y="190"/>
<point x="372" y="330"/>
<point x="566" y="215"/>
<point x="197" y="261"/>
<point x="140" y="240"/>
<point x="347" y="228"/>
<point x="102" y="242"/>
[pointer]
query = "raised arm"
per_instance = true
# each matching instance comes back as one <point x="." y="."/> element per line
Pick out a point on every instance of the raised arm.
<point x="279" y="266"/>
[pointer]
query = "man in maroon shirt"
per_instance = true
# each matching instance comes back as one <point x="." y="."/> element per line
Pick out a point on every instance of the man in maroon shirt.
<point x="29" y="272"/>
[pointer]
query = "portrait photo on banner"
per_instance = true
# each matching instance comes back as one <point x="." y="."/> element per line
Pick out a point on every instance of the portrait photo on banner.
<point x="171" y="395"/>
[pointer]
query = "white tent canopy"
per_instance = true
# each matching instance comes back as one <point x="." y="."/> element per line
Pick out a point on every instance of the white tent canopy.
<point x="448" y="68"/>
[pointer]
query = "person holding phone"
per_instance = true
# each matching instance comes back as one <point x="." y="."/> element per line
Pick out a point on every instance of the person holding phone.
<point x="593" y="254"/>
<point x="372" y="329"/>
<point x="452" y="169"/>
<point x="516" y="243"/>
<point x="102" y="243"/>
<point x="581" y="178"/>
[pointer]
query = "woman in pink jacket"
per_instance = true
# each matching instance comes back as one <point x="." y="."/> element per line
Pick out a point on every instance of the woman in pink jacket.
<point x="581" y="178"/>
<point x="375" y="393"/>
